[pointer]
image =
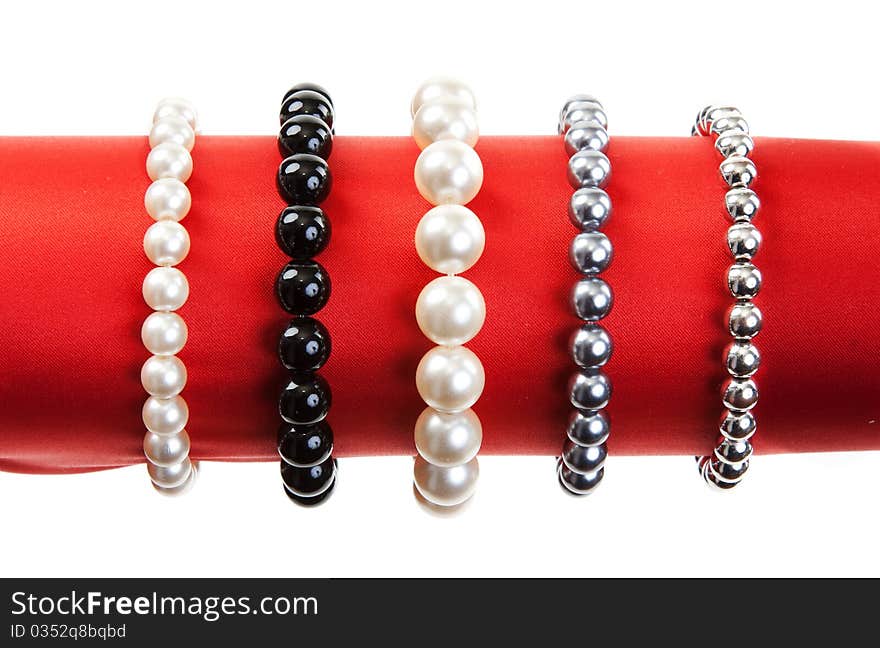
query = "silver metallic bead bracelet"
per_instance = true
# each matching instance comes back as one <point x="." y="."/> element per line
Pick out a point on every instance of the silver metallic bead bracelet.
<point x="165" y="289"/>
<point x="729" y="462"/>
<point x="583" y="124"/>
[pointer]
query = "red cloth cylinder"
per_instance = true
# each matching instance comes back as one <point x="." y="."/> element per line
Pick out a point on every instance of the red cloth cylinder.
<point x="72" y="266"/>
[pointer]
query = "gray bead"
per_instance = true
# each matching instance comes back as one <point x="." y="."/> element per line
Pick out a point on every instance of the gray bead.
<point x="738" y="171"/>
<point x="583" y="111"/>
<point x="589" y="169"/>
<point x="578" y="98"/>
<point x="589" y="389"/>
<point x="591" y="299"/>
<point x="743" y="280"/>
<point x="743" y="239"/>
<point x="589" y="208"/>
<point x="590" y="346"/>
<point x="583" y="459"/>
<point x="576" y="483"/>
<point x="588" y="427"/>
<point x="744" y="320"/>
<point x="734" y="142"/>
<point x="590" y="252"/>
<point x="738" y="426"/>
<point x="585" y="136"/>
<point x="742" y="203"/>
<point x="742" y="359"/>
<point x="740" y="394"/>
<point x="733" y="453"/>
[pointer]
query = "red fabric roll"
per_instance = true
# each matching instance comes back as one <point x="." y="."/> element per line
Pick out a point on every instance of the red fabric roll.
<point x="72" y="266"/>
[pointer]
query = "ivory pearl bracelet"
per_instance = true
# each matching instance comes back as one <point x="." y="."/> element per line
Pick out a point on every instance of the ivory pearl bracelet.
<point x="450" y="310"/>
<point x="165" y="289"/>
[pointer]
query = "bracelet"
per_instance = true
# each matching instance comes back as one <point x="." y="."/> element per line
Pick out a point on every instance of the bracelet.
<point x="450" y="310"/>
<point x="583" y="123"/>
<point x="302" y="231"/>
<point x="165" y="289"/>
<point x="728" y="464"/>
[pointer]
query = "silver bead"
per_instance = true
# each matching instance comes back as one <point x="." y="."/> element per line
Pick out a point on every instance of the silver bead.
<point x="588" y="427"/>
<point x="733" y="453"/>
<point x="731" y="121"/>
<point x="585" y="136"/>
<point x="744" y="320"/>
<point x="590" y="252"/>
<point x="709" y="115"/>
<point x="725" y="475"/>
<point x="589" y="389"/>
<point x="583" y="111"/>
<point x="738" y="171"/>
<point x="583" y="459"/>
<point x="578" y="98"/>
<point x="734" y="142"/>
<point x="740" y="394"/>
<point x="591" y="299"/>
<point x="738" y="426"/>
<point x="589" y="208"/>
<point x="743" y="240"/>
<point x="742" y="203"/>
<point x="576" y="483"/>
<point x="743" y="280"/>
<point x="742" y="359"/>
<point x="590" y="346"/>
<point x="589" y="169"/>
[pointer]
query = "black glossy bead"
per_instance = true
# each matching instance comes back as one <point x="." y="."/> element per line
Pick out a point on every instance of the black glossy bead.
<point x="305" y="400"/>
<point x="305" y="134"/>
<point x="305" y="446"/>
<point x="309" y="485"/>
<point x="314" y="87"/>
<point x="304" y="179"/>
<point x="307" y="102"/>
<point x="302" y="231"/>
<point x="304" y="345"/>
<point x="302" y="287"/>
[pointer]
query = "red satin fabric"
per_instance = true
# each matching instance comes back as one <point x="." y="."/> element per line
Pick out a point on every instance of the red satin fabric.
<point x="72" y="265"/>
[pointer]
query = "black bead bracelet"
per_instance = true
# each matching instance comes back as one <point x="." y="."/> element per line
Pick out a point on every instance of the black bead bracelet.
<point x="302" y="231"/>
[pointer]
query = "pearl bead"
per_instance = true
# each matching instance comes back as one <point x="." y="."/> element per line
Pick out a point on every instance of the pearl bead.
<point x="589" y="208"/>
<point x="583" y="459"/>
<point x="590" y="346"/>
<point x="590" y="252"/>
<point x="166" y="449"/>
<point x="175" y="130"/>
<point x="165" y="415"/>
<point x="450" y="379"/>
<point x="170" y="476"/>
<point x="450" y="239"/>
<point x="450" y="310"/>
<point x="588" y="427"/>
<point x="164" y="333"/>
<point x="167" y="198"/>
<point x="176" y="107"/>
<point x="169" y="160"/>
<point x="446" y="486"/>
<point x="584" y="136"/>
<point x="577" y="483"/>
<point x="166" y="243"/>
<point x="583" y="112"/>
<point x="183" y="488"/>
<point x="163" y="376"/>
<point x="589" y="389"/>
<point x="592" y="299"/>
<point x="444" y="89"/>
<point x="589" y="168"/>
<point x="444" y="119"/>
<point x="449" y="172"/>
<point x="447" y="440"/>
<point x="165" y="289"/>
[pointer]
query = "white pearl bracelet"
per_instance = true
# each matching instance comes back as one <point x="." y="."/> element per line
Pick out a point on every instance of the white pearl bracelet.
<point x="450" y="310"/>
<point x="165" y="289"/>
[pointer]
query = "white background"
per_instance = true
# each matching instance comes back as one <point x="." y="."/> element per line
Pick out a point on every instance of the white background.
<point x="796" y="69"/>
